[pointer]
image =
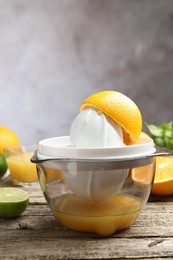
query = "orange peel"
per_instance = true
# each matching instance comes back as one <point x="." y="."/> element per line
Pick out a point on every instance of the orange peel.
<point x="120" y="109"/>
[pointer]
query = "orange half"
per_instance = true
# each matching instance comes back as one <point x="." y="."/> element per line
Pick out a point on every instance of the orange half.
<point x="163" y="181"/>
<point x="143" y="175"/>
<point x="120" y="109"/>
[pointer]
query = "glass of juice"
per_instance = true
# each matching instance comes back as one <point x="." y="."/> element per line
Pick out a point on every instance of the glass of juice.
<point x="22" y="171"/>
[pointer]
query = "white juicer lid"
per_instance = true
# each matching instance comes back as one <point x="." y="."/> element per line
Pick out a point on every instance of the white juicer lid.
<point x="59" y="147"/>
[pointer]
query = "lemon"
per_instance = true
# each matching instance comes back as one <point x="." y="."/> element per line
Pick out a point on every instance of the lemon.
<point x="3" y="166"/>
<point x="13" y="202"/>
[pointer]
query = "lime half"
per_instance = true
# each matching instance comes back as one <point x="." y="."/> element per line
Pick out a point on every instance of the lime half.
<point x="13" y="202"/>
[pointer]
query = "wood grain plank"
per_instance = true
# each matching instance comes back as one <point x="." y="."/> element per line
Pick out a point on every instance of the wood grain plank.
<point x="44" y="243"/>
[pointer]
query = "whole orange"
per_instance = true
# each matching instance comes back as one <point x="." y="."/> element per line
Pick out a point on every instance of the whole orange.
<point x="7" y="138"/>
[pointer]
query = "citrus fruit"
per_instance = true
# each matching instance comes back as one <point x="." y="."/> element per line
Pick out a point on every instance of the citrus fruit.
<point x="3" y="166"/>
<point x="120" y="109"/>
<point x="143" y="175"/>
<point x="13" y="202"/>
<point x="7" y="138"/>
<point x="144" y="135"/>
<point x="163" y="180"/>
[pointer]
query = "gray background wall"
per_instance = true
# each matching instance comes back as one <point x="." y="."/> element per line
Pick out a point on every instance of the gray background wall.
<point x="55" y="53"/>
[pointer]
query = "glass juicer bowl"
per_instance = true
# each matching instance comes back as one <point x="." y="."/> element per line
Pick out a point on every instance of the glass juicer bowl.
<point x="98" y="190"/>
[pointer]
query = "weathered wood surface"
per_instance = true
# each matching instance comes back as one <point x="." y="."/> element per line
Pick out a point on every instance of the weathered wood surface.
<point x="37" y="235"/>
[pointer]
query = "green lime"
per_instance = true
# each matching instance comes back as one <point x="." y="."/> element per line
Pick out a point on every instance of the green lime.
<point x="13" y="202"/>
<point x="3" y="166"/>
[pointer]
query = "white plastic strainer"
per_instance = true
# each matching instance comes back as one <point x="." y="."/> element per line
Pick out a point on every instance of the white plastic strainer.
<point x="93" y="173"/>
<point x="60" y="147"/>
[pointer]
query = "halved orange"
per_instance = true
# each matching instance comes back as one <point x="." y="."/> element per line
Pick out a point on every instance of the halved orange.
<point x="143" y="175"/>
<point x="120" y="109"/>
<point x="163" y="181"/>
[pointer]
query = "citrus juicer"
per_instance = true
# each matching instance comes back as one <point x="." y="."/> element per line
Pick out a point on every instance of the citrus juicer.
<point x="93" y="173"/>
<point x="98" y="178"/>
<point x="96" y="190"/>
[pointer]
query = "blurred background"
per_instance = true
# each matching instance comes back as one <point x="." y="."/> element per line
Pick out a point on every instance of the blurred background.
<point x="54" y="53"/>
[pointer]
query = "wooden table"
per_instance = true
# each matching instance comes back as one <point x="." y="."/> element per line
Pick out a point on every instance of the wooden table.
<point x="37" y="235"/>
